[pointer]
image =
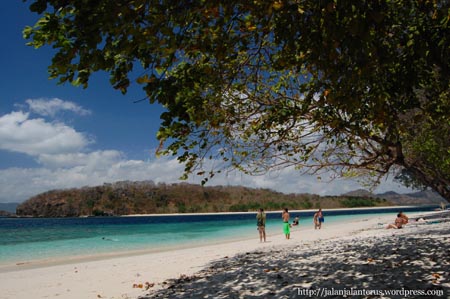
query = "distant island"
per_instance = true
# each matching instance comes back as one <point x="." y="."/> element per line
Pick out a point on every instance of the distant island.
<point x="8" y="208"/>
<point x="146" y="197"/>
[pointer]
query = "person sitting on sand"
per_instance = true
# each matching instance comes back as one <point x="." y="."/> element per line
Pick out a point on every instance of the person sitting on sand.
<point x="295" y="222"/>
<point x="398" y="223"/>
<point x="286" y="227"/>
<point x="261" y="223"/>
<point x="404" y="217"/>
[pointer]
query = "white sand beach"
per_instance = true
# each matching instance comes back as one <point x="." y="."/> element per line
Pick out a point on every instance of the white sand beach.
<point x="360" y="255"/>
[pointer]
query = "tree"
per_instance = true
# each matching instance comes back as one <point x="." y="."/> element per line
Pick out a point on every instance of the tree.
<point x="357" y="87"/>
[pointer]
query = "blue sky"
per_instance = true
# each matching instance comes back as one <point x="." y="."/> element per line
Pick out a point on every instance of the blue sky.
<point x="60" y="136"/>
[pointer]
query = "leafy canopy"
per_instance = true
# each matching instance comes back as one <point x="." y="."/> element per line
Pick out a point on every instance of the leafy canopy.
<point x="359" y="87"/>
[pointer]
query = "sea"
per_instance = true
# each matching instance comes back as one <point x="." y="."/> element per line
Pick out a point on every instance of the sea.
<point x="27" y="240"/>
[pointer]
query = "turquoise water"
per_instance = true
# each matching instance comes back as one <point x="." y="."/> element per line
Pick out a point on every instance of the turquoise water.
<point x="24" y="240"/>
<point x="63" y="241"/>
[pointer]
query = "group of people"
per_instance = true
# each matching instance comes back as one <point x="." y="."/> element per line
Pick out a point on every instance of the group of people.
<point x="261" y="223"/>
<point x="318" y="219"/>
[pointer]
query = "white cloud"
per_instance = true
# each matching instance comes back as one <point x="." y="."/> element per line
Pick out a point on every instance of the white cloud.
<point x="290" y="180"/>
<point x="66" y="163"/>
<point x="101" y="167"/>
<point x="92" y="160"/>
<point x="50" y="107"/>
<point x="19" y="133"/>
<point x="97" y="168"/>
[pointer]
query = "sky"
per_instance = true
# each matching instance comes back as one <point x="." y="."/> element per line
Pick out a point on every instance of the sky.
<point x="60" y="136"/>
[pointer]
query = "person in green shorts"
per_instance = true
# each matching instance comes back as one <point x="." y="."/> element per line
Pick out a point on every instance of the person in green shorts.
<point x="286" y="226"/>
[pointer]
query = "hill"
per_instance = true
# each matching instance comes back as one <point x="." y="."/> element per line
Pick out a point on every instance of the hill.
<point x="125" y="198"/>
<point x="417" y="198"/>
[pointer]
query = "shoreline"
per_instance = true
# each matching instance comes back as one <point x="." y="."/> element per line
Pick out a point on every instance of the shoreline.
<point x="67" y="260"/>
<point x="33" y="263"/>
<point x="279" y="211"/>
<point x="115" y="277"/>
<point x="245" y="213"/>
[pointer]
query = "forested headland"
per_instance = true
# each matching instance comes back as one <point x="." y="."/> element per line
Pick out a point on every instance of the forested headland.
<point x="126" y="198"/>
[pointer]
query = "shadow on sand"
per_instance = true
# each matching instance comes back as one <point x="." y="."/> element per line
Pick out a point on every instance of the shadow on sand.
<point x="414" y="259"/>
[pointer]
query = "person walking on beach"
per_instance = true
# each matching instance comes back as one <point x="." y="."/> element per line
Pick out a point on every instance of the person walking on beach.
<point x="286" y="228"/>
<point x="261" y="223"/>
<point x="318" y="219"/>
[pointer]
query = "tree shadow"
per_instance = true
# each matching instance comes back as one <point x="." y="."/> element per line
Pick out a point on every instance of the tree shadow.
<point x="410" y="261"/>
